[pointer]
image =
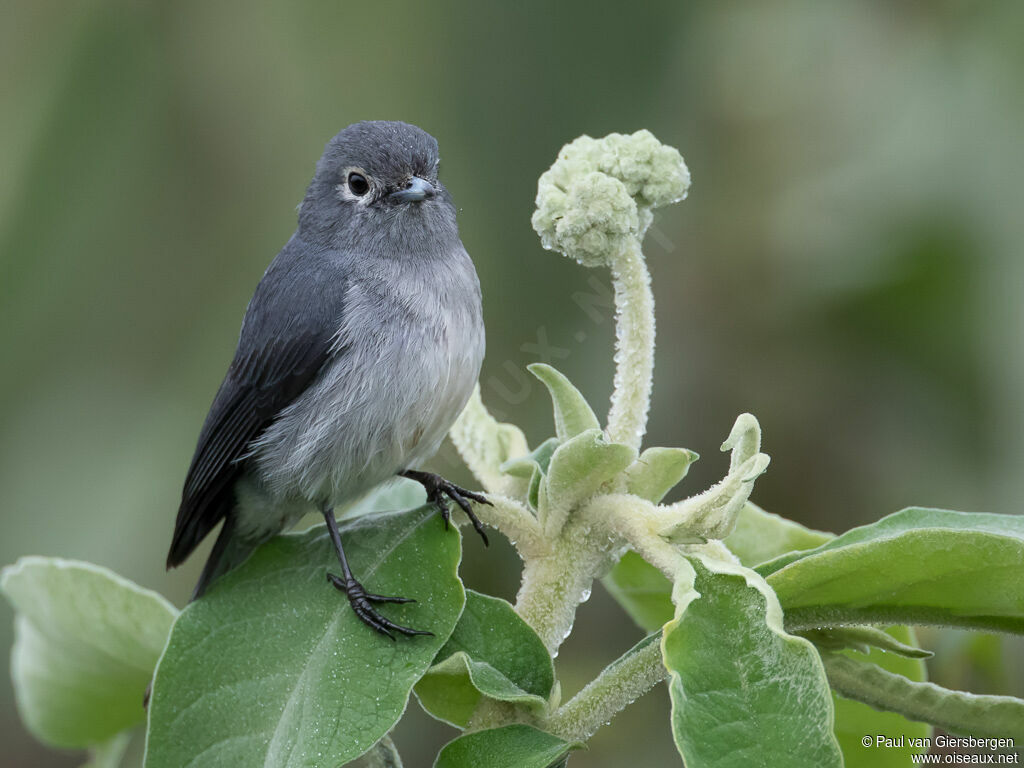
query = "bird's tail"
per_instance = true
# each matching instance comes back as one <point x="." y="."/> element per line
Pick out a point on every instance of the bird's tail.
<point x="228" y="551"/>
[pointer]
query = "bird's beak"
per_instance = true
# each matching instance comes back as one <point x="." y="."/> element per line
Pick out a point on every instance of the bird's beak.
<point x="417" y="189"/>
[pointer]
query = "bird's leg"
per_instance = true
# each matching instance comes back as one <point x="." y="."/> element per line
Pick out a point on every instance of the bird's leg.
<point x="359" y="598"/>
<point x="437" y="488"/>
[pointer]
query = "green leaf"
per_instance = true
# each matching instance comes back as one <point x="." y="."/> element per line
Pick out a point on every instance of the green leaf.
<point x="713" y="513"/>
<point x="918" y="566"/>
<point x="272" y="667"/>
<point x="532" y="467"/>
<point x="539" y="457"/>
<point x="513" y="746"/>
<point x="657" y="471"/>
<point x="533" y="489"/>
<point x="761" y="536"/>
<point x="572" y="413"/>
<point x="855" y="720"/>
<point x="86" y="642"/>
<point x="491" y="653"/>
<point x="862" y="640"/>
<point x="744" y="692"/>
<point x="642" y="590"/>
<point x="578" y="469"/>
<point x="966" y="713"/>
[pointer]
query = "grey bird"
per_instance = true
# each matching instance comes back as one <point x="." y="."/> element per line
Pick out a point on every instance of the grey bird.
<point x="359" y="348"/>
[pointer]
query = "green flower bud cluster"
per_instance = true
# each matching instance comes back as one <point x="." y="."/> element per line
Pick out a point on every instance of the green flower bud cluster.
<point x="598" y="195"/>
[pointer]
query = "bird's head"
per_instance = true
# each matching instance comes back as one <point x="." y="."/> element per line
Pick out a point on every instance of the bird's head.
<point x="375" y="180"/>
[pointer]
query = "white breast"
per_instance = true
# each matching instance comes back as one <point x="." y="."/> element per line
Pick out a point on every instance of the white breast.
<point x="406" y="365"/>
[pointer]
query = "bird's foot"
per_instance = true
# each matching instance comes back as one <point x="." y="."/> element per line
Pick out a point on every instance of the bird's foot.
<point x="438" y="488"/>
<point x="362" y="600"/>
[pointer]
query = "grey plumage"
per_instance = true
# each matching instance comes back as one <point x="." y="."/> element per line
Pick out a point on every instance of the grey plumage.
<point x="358" y="350"/>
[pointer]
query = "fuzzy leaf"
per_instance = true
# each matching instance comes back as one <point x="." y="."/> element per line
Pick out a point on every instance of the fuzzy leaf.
<point x="916" y="566"/>
<point x="713" y="513"/>
<point x="577" y="471"/>
<point x="272" y="667"/>
<point x="491" y="653"/>
<point x="862" y="640"/>
<point x="513" y="746"/>
<point x="657" y="471"/>
<point x="532" y="467"/>
<point x="744" y="692"/>
<point x="854" y="720"/>
<point x="86" y="642"/>
<point x="539" y="458"/>
<point x="965" y="713"/>
<point x="572" y="413"/>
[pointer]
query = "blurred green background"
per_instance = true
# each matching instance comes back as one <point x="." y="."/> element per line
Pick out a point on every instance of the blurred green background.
<point x="847" y="267"/>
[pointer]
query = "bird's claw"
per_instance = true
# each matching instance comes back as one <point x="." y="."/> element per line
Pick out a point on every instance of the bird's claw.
<point x="437" y="488"/>
<point x="362" y="601"/>
<point x="461" y="497"/>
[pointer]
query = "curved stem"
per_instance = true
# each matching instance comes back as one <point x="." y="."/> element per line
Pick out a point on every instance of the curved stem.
<point x="619" y="685"/>
<point x="634" y="347"/>
<point x="518" y="524"/>
<point x="967" y="713"/>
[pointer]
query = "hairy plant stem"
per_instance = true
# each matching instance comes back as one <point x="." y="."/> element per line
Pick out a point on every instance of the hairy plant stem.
<point x="618" y="686"/>
<point x="517" y="523"/>
<point x="967" y="713"/>
<point x="634" y="347"/>
<point x="554" y="585"/>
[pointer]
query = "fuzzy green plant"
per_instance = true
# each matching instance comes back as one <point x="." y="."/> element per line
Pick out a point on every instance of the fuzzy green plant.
<point x="778" y="645"/>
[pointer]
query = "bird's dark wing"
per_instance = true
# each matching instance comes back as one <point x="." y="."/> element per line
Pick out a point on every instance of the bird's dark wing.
<point x="260" y="383"/>
<point x="282" y="348"/>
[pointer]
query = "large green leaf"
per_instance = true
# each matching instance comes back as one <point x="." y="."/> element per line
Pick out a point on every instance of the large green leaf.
<point x="492" y="653"/>
<point x="855" y="720"/>
<point x="513" y="746"/>
<point x="272" y="667"/>
<point x="926" y="566"/>
<point x="86" y="643"/>
<point x="745" y="694"/>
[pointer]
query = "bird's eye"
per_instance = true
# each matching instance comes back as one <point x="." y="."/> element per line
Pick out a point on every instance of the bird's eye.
<point x="358" y="184"/>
